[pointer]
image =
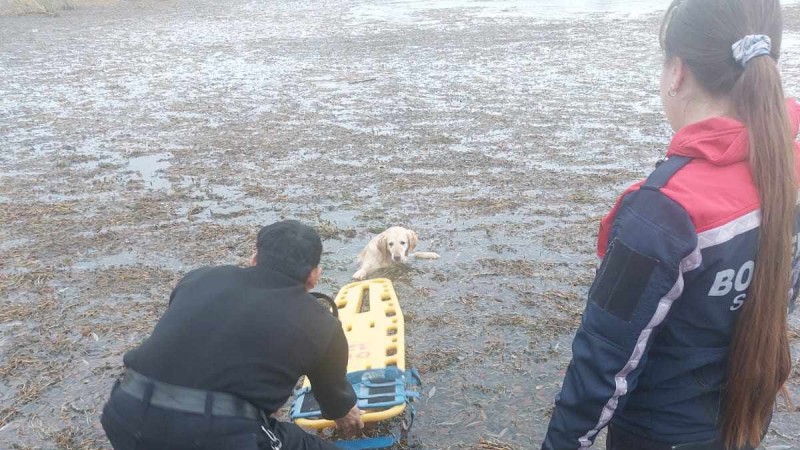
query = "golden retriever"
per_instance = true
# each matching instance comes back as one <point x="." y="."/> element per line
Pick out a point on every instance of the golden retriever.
<point x="392" y="246"/>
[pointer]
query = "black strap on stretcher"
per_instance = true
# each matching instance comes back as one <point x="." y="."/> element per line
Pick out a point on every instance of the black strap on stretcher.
<point x="327" y="301"/>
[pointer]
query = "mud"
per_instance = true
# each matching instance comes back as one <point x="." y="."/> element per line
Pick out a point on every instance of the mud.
<point x="151" y="137"/>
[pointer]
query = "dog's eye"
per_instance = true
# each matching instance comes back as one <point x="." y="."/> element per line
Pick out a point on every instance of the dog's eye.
<point x="391" y="244"/>
<point x="402" y="243"/>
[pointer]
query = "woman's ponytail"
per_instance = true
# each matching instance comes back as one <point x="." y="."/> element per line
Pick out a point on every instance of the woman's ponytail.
<point x="701" y="33"/>
<point x="759" y="361"/>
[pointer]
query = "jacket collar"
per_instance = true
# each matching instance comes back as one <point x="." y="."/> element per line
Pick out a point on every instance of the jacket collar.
<point x="270" y="278"/>
<point x="721" y="140"/>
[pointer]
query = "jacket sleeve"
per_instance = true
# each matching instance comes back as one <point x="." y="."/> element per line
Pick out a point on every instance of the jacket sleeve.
<point x="333" y="391"/>
<point x="652" y="241"/>
<point x="795" y="289"/>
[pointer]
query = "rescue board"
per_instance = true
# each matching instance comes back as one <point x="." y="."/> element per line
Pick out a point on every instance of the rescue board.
<point x="373" y="324"/>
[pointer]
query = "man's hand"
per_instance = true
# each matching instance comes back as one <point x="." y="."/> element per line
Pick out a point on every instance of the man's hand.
<point x="351" y="424"/>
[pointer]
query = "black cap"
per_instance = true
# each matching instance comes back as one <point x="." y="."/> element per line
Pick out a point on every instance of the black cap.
<point x="289" y="247"/>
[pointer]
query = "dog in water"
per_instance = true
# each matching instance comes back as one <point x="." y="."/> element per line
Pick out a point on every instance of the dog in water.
<point x="392" y="246"/>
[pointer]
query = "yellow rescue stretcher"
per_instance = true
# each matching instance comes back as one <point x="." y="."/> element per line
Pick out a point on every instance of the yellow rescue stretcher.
<point x="373" y="324"/>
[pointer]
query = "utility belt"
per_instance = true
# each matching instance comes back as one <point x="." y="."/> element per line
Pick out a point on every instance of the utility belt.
<point x="196" y="401"/>
<point x="184" y="399"/>
<point x="623" y="440"/>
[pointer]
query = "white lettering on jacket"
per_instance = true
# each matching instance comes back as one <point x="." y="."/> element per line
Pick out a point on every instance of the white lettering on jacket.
<point x="729" y="280"/>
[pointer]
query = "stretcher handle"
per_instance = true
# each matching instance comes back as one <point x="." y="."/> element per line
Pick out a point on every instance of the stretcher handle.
<point x="329" y="300"/>
<point x="368" y="417"/>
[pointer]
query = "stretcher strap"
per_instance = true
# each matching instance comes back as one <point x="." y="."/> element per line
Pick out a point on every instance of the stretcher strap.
<point x="376" y="388"/>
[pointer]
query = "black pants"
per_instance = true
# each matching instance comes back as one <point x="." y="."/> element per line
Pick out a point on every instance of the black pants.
<point x="130" y="424"/>
<point x="619" y="439"/>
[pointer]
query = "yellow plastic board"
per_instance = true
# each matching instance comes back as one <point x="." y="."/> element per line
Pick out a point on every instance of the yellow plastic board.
<point x="373" y="324"/>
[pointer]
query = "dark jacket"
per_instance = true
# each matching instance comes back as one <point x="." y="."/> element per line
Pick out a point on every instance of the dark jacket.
<point x="678" y="255"/>
<point x="251" y="332"/>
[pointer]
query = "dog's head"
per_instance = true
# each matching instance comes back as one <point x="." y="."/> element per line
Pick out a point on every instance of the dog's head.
<point x="396" y="243"/>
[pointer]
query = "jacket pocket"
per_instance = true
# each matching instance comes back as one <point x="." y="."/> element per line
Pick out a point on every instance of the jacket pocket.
<point x="621" y="280"/>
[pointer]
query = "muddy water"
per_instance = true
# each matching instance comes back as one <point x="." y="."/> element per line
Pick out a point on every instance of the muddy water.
<point x="145" y="139"/>
<point x="541" y="9"/>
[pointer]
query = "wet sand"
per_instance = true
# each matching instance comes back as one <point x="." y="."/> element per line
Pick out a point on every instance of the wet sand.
<point x="148" y="138"/>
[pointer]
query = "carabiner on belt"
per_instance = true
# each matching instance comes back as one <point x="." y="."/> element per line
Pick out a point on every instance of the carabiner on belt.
<point x="274" y="441"/>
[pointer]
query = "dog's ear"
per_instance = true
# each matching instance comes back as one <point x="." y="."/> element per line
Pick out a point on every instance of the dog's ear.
<point x="383" y="246"/>
<point x="413" y="239"/>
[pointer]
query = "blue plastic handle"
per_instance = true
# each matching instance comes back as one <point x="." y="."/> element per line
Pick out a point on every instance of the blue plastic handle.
<point x="367" y="443"/>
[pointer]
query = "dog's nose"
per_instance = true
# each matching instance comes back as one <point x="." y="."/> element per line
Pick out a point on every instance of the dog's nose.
<point x="397" y="258"/>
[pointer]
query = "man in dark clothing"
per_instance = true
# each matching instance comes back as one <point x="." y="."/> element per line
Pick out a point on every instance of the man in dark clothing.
<point x="228" y="351"/>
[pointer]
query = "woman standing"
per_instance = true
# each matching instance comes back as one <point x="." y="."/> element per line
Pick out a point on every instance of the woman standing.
<point x="684" y="343"/>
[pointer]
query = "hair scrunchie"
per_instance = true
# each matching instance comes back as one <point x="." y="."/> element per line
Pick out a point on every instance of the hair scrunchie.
<point x="751" y="46"/>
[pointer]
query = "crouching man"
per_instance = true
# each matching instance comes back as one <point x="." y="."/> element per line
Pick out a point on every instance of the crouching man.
<point x="228" y="352"/>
